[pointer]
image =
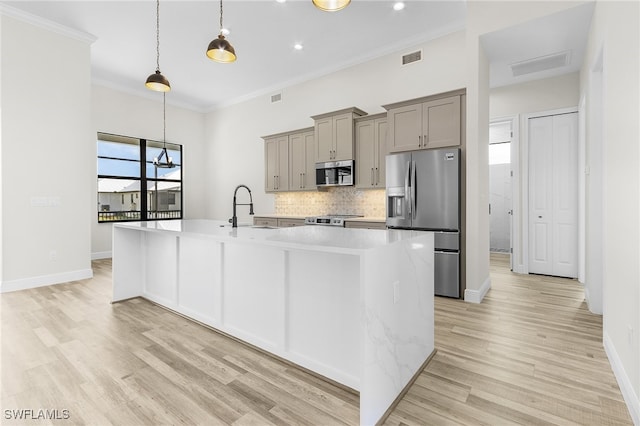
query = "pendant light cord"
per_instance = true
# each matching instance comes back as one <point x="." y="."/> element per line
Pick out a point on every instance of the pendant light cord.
<point x="158" y="35"/>
<point x="220" y="16"/>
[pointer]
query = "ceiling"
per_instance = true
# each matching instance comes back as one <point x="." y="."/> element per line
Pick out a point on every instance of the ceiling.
<point x="264" y="33"/>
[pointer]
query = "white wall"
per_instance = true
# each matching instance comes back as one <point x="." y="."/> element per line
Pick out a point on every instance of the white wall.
<point x="123" y="114"/>
<point x="519" y="99"/>
<point x="614" y="32"/>
<point x="233" y="133"/>
<point x="46" y="159"/>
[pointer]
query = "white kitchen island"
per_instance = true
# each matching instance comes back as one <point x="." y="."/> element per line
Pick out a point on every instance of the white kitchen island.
<point x="353" y="305"/>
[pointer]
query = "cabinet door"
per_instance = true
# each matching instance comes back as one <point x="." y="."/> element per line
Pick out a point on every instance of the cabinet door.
<point x="271" y="164"/>
<point x="324" y="139"/>
<point x="288" y="223"/>
<point x="265" y="221"/>
<point x="297" y="161"/>
<point x="405" y="128"/>
<point x="441" y="122"/>
<point x="343" y="137"/>
<point x="380" y="151"/>
<point x="365" y="155"/>
<point x="282" y="178"/>
<point x="309" y="172"/>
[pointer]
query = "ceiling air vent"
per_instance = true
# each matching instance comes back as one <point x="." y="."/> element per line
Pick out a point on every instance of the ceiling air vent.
<point x="412" y="57"/>
<point x="276" y="98"/>
<point x="542" y="63"/>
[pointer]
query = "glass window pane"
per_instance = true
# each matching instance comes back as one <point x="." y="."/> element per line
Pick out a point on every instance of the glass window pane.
<point x="118" y="199"/>
<point x="174" y="173"/>
<point x="118" y="150"/>
<point x="125" y="168"/>
<point x="166" y="202"/>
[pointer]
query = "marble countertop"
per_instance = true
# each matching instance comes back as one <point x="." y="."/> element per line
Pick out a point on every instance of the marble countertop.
<point x="318" y="238"/>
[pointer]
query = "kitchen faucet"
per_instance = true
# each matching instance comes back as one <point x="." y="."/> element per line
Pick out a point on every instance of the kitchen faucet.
<point x="234" y="218"/>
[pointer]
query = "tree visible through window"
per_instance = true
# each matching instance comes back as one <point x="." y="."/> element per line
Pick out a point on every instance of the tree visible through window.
<point x="130" y="186"/>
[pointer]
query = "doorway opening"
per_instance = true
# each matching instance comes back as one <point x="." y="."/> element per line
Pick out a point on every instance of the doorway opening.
<point x="500" y="186"/>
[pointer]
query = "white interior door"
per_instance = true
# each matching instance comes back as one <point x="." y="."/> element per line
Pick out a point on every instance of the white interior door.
<point x="553" y="195"/>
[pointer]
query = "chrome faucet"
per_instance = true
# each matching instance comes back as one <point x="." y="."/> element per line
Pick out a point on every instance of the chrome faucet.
<point x="234" y="218"/>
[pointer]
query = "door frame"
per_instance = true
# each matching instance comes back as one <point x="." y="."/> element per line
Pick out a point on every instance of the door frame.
<point x="523" y="268"/>
<point x="514" y="228"/>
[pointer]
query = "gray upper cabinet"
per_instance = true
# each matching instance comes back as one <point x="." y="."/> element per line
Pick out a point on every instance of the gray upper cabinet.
<point x="371" y="148"/>
<point x="425" y="123"/>
<point x="276" y="150"/>
<point x="334" y="135"/>
<point x="302" y="160"/>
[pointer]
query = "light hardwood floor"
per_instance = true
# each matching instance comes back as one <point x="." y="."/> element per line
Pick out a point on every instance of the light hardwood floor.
<point x="531" y="353"/>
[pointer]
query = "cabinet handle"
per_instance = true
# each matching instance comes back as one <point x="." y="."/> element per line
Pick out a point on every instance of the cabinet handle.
<point x="419" y="141"/>
<point x="372" y="176"/>
<point x="425" y="138"/>
<point x="274" y="181"/>
<point x="377" y="176"/>
<point x="301" y="182"/>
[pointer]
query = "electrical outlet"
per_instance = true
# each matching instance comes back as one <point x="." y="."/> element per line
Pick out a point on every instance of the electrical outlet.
<point x="396" y="291"/>
<point x="53" y="255"/>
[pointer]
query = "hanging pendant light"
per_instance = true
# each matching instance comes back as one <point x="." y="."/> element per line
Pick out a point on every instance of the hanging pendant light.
<point x="157" y="81"/>
<point x="220" y="50"/>
<point x="331" y="5"/>
<point x="158" y="161"/>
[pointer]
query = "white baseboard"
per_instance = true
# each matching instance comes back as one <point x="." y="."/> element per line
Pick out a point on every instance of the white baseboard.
<point x="476" y="296"/>
<point x="629" y="395"/>
<point x="44" y="280"/>
<point x="101" y="255"/>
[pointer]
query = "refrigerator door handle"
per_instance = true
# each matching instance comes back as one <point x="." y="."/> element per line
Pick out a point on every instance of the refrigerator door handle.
<point x="407" y="194"/>
<point x="413" y="188"/>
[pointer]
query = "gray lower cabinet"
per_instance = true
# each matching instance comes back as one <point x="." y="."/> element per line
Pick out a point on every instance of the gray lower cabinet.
<point x="365" y="225"/>
<point x="277" y="222"/>
<point x="265" y="221"/>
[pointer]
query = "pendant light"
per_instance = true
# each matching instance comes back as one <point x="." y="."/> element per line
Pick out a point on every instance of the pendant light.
<point x="157" y="81"/>
<point x="220" y="50"/>
<point x="331" y="5"/>
<point x="168" y="161"/>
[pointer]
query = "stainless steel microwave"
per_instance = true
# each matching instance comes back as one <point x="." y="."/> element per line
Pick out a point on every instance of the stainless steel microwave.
<point x="335" y="173"/>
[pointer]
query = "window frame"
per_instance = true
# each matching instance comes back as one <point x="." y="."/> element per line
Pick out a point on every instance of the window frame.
<point x="145" y="214"/>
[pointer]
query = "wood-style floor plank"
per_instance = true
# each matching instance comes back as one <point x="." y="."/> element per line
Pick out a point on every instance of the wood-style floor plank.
<point x="531" y="353"/>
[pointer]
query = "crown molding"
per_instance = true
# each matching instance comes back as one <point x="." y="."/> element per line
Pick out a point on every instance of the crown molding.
<point x="46" y="24"/>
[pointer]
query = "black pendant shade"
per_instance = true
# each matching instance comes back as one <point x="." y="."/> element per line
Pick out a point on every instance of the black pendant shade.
<point x="220" y="50"/>
<point x="158" y="82"/>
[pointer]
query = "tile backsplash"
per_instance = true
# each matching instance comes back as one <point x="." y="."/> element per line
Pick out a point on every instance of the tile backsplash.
<point x="336" y="200"/>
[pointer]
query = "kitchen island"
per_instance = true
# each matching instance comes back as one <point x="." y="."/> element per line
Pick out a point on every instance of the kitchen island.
<point x="352" y="305"/>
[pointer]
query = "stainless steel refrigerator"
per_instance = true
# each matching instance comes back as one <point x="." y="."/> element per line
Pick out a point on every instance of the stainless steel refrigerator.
<point x="423" y="193"/>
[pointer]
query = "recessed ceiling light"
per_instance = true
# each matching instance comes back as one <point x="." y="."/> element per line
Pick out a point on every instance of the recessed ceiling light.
<point x="225" y="32"/>
<point x="297" y="46"/>
<point x="281" y="1"/>
<point x="398" y="5"/>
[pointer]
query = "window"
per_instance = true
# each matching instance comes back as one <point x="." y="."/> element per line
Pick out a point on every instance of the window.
<point x="130" y="186"/>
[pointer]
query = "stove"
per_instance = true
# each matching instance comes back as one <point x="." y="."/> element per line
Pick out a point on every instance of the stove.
<point x="330" y="219"/>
